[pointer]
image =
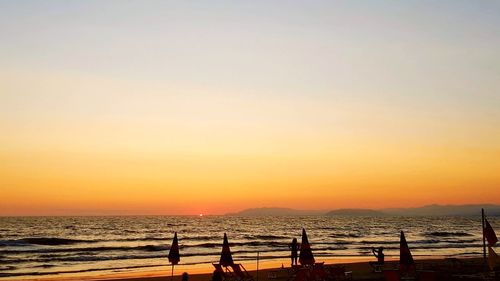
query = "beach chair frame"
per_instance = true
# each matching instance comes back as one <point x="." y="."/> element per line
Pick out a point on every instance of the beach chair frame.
<point x="240" y="272"/>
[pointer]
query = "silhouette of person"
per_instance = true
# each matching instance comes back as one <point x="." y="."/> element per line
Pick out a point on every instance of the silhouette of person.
<point x="294" y="247"/>
<point x="379" y="254"/>
<point x="185" y="276"/>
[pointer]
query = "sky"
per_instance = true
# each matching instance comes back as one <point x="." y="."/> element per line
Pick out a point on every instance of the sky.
<point x="188" y="107"/>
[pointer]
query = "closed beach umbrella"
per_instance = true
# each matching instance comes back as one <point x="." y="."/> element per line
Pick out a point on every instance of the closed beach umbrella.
<point x="306" y="256"/>
<point x="226" y="259"/>
<point x="406" y="262"/>
<point x="173" y="255"/>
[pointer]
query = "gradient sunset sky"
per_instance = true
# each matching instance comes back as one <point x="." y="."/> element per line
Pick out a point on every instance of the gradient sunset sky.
<point x="187" y="107"/>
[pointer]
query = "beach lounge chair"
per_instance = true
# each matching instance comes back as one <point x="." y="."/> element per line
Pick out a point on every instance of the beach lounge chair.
<point x="407" y="274"/>
<point x="240" y="272"/>
<point x="339" y="273"/>
<point x="301" y="275"/>
<point x="225" y="274"/>
<point x="318" y="272"/>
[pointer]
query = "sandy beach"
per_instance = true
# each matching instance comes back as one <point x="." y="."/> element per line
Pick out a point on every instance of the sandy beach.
<point x="446" y="269"/>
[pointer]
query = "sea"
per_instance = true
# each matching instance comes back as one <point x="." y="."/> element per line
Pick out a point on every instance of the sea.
<point x="63" y="246"/>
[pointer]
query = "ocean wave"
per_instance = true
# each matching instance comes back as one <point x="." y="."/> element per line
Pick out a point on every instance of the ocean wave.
<point x="44" y="266"/>
<point x="89" y="258"/>
<point x="196" y="238"/>
<point x="136" y="239"/>
<point x="55" y="241"/>
<point x="377" y="242"/>
<point x="446" y="234"/>
<point x="7" y="267"/>
<point x="345" y="235"/>
<point x="147" y="248"/>
<point x="46" y="241"/>
<point x="51" y="246"/>
<point x="253" y="245"/>
<point x="265" y="237"/>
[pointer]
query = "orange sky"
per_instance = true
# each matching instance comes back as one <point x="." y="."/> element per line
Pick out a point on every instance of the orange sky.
<point x="100" y="113"/>
<point x="198" y="154"/>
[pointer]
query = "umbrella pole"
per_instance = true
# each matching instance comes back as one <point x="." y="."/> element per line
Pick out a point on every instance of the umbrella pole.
<point x="484" y="239"/>
<point x="257" y="266"/>
<point x="172" y="276"/>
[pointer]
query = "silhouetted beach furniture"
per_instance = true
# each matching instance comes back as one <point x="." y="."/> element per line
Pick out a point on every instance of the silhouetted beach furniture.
<point x="339" y="273"/>
<point x="218" y="274"/>
<point x="226" y="258"/>
<point x="310" y="270"/>
<point x="306" y="256"/>
<point x="173" y="254"/>
<point x="395" y="275"/>
<point x="220" y="271"/>
<point x="318" y="272"/>
<point x="490" y="258"/>
<point x="226" y="266"/>
<point x="489" y="235"/>
<point x="281" y="273"/>
<point x="493" y="260"/>
<point x="406" y="262"/>
<point x="300" y="275"/>
<point x="240" y="272"/>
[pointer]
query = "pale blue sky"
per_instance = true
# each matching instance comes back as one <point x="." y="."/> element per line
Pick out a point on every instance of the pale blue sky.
<point x="425" y="56"/>
<point x="399" y="49"/>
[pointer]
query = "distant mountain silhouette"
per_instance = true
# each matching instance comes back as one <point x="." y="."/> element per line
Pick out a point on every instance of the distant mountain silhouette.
<point x="446" y="210"/>
<point x="276" y="212"/>
<point x="429" y="210"/>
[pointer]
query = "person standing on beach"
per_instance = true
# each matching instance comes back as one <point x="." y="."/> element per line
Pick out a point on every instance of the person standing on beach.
<point x="379" y="254"/>
<point x="294" y="247"/>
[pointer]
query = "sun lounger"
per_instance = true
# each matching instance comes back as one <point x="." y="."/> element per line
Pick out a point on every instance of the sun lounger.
<point x="296" y="267"/>
<point x="339" y="273"/>
<point x="318" y="272"/>
<point x="240" y="272"/>
<point x="301" y="275"/>
<point x="225" y="274"/>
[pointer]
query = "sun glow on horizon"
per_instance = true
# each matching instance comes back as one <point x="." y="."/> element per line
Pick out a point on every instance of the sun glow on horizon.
<point x="235" y="108"/>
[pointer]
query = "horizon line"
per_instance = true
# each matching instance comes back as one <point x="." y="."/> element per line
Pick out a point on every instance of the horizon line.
<point x="81" y="213"/>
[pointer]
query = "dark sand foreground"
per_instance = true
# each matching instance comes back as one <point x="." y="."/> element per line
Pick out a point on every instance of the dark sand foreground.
<point x="447" y="269"/>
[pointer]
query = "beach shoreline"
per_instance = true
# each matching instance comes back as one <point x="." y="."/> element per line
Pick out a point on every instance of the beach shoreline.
<point x="203" y="272"/>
